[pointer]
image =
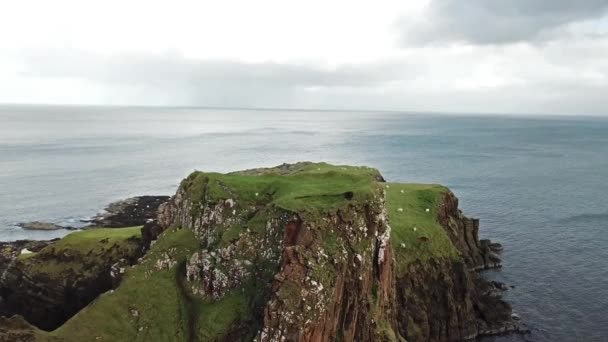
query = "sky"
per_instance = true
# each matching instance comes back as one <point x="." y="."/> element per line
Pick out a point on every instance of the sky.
<point x="474" y="56"/>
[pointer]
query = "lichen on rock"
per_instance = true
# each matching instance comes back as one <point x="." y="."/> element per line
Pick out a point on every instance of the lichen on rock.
<point x="303" y="252"/>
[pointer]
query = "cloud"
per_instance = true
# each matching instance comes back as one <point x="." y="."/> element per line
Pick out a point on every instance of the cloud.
<point x="170" y="68"/>
<point x="559" y="77"/>
<point x="484" y="22"/>
<point x="209" y="82"/>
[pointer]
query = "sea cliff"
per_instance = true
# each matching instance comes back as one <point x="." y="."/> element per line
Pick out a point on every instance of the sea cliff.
<point x="299" y="252"/>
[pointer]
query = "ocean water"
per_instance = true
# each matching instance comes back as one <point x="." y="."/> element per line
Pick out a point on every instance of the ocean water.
<point x="539" y="185"/>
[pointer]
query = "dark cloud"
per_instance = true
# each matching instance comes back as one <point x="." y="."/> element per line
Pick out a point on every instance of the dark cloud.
<point x="498" y="21"/>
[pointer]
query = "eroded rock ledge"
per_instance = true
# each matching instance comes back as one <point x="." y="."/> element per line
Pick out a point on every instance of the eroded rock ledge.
<point x="301" y="252"/>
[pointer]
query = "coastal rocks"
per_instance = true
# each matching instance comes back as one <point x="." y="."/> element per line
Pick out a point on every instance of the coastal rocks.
<point x="443" y="301"/>
<point x="464" y="233"/>
<point x="38" y="225"/>
<point x="130" y="212"/>
<point x="500" y="286"/>
<point x="302" y="252"/>
<point x="55" y="281"/>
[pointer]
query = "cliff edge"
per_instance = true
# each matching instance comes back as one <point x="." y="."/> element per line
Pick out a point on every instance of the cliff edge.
<point x="300" y="252"/>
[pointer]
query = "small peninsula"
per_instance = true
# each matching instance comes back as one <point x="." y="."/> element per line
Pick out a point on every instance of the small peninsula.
<point x="298" y="252"/>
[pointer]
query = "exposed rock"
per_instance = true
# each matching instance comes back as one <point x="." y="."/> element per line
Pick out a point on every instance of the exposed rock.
<point x="130" y="212"/>
<point x="38" y="225"/>
<point x="316" y="266"/>
<point x="499" y="285"/>
<point x="150" y="232"/>
<point x="52" y="283"/>
<point x="464" y="233"/>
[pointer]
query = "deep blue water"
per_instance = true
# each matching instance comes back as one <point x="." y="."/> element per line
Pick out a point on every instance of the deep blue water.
<point x="540" y="186"/>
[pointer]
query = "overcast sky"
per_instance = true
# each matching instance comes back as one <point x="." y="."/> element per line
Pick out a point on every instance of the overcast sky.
<point x="510" y="56"/>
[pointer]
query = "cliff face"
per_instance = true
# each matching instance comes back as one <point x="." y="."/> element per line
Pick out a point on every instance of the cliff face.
<point x="302" y="252"/>
<point x="326" y="274"/>
<point x="337" y="277"/>
<point x="464" y="233"/>
<point x="444" y="299"/>
<point x="57" y="279"/>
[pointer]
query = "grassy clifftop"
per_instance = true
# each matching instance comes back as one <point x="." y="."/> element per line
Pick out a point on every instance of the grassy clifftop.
<point x="75" y="253"/>
<point x="306" y="186"/>
<point x="416" y="233"/>
<point x="156" y="301"/>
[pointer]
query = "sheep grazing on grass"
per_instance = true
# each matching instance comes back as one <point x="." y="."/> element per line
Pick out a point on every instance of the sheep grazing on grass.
<point x="427" y="210"/>
<point x="415" y="228"/>
<point x="26" y="251"/>
<point x="400" y="209"/>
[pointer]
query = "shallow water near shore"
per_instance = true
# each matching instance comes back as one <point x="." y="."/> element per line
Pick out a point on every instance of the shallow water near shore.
<point x="538" y="185"/>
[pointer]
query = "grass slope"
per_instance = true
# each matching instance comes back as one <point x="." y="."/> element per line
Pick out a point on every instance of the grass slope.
<point x="72" y="253"/>
<point x="153" y="304"/>
<point x="416" y="234"/>
<point x="148" y="305"/>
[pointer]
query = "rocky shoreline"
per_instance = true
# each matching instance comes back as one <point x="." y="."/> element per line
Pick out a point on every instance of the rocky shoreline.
<point x="370" y="293"/>
<point x="133" y="211"/>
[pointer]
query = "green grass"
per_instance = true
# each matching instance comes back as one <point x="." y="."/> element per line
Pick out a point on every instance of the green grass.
<point x="218" y="317"/>
<point x="165" y="307"/>
<point x="414" y="199"/>
<point x="82" y="253"/>
<point x="87" y="240"/>
<point x="162" y="313"/>
<point x="312" y="187"/>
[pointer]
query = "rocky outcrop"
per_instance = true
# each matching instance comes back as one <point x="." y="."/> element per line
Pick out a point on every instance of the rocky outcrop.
<point x="134" y="211"/>
<point x="301" y="252"/>
<point x="38" y="225"/>
<point x="443" y="301"/>
<point x="324" y="295"/>
<point x="47" y="283"/>
<point x="464" y="233"/>
<point x="349" y="291"/>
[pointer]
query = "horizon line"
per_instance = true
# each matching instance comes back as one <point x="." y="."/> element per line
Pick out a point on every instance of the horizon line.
<point x="300" y="109"/>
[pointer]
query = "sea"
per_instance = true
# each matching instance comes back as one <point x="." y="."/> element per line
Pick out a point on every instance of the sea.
<point x="539" y="184"/>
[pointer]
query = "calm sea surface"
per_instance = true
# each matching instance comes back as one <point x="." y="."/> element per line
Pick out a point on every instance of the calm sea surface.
<point x="540" y="186"/>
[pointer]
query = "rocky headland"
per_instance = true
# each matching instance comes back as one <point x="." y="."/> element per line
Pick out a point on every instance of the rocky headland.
<point x="300" y="252"/>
